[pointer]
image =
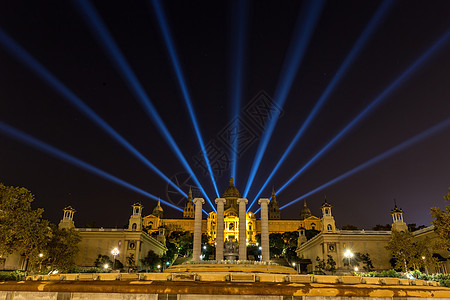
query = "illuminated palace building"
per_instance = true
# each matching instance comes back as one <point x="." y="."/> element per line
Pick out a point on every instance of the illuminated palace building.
<point x="231" y="218"/>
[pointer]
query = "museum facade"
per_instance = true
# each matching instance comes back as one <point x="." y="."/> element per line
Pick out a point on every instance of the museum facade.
<point x="231" y="219"/>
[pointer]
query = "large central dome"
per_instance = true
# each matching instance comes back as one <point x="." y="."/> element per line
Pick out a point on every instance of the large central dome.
<point x="231" y="191"/>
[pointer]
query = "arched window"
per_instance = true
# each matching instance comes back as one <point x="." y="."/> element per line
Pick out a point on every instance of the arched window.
<point x="134" y="227"/>
<point x="329" y="227"/>
<point x="326" y="211"/>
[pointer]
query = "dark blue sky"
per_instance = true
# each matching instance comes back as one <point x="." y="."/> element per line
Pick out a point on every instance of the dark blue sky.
<point x="55" y="33"/>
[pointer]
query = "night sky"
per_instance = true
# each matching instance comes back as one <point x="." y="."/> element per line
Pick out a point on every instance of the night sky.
<point x="56" y="34"/>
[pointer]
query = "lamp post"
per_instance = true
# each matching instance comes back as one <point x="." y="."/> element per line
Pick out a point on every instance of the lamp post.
<point x="293" y="265"/>
<point x="40" y="261"/>
<point x="425" y="264"/>
<point x="114" y="252"/>
<point x="348" y="254"/>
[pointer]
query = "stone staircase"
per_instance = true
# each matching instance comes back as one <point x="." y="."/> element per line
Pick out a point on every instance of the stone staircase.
<point x="280" y="261"/>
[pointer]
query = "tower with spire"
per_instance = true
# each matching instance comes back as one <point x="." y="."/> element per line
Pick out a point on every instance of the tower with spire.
<point x="135" y="221"/>
<point x="328" y="222"/>
<point x="189" y="207"/>
<point x="274" y="210"/>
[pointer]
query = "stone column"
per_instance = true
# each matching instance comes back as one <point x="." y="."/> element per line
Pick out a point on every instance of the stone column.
<point x="242" y="228"/>
<point x="220" y="228"/>
<point x="264" y="229"/>
<point x="197" y="229"/>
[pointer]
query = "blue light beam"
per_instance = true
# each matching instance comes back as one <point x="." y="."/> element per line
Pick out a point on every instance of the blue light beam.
<point x="23" y="56"/>
<point x="239" y="29"/>
<point x="109" y="45"/>
<point x="35" y="143"/>
<point x="354" y="52"/>
<point x="303" y="32"/>
<point x="391" y="88"/>
<point x="408" y="143"/>
<point x="163" y="25"/>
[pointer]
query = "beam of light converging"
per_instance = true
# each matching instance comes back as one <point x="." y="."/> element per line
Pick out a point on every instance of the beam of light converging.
<point x="35" y="143"/>
<point x="163" y="25"/>
<point x="406" y="144"/>
<point x="353" y="54"/>
<point x="377" y="101"/>
<point x="112" y="50"/>
<point x="303" y="32"/>
<point x="238" y="34"/>
<point x="23" y="56"/>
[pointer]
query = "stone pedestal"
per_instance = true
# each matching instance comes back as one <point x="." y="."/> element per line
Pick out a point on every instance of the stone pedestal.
<point x="220" y="228"/>
<point x="242" y="228"/>
<point x="264" y="229"/>
<point x="197" y="229"/>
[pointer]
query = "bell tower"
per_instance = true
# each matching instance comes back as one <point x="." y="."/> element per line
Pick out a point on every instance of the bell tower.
<point x="301" y="236"/>
<point x="67" y="220"/>
<point x="328" y="223"/>
<point x="135" y="223"/>
<point x="189" y="208"/>
<point x="274" y="210"/>
<point x="397" y="219"/>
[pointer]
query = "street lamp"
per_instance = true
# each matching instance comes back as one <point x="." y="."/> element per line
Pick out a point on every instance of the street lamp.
<point x="356" y="269"/>
<point x="425" y="264"/>
<point x="348" y="254"/>
<point x="159" y="268"/>
<point x="105" y="266"/>
<point x="115" y="252"/>
<point x="40" y="261"/>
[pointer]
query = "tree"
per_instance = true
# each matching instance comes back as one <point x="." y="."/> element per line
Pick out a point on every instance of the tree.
<point x="331" y="264"/>
<point x="258" y="238"/>
<point x="326" y="265"/>
<point x="310" y="233"/>
<point x="290" y="239"/>
<point x="62" y="248"/>
<point x="172" y="250"/>
<point x="441" y="224"/>
<point x="276" y="244"/>
<point x="103" y="260"/>
<point x="349" y="227"/>
<point x="365" y="259"/>
<point x="380" y="227"/>
<point x="22" y="228"/>
<point x="151" y="260"/>
<point x="253" y="252"/>
<point x="320" y="264"/>
<point x="413" y="227"/>
<point x="408" y="253"/>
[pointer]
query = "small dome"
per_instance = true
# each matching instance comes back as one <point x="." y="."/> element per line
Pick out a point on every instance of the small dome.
<point x="305" y="212"/>
<point x="231" y="191"/>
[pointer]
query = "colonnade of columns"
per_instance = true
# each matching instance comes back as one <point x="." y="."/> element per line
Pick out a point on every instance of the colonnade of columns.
<point x="220" y="238"/>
